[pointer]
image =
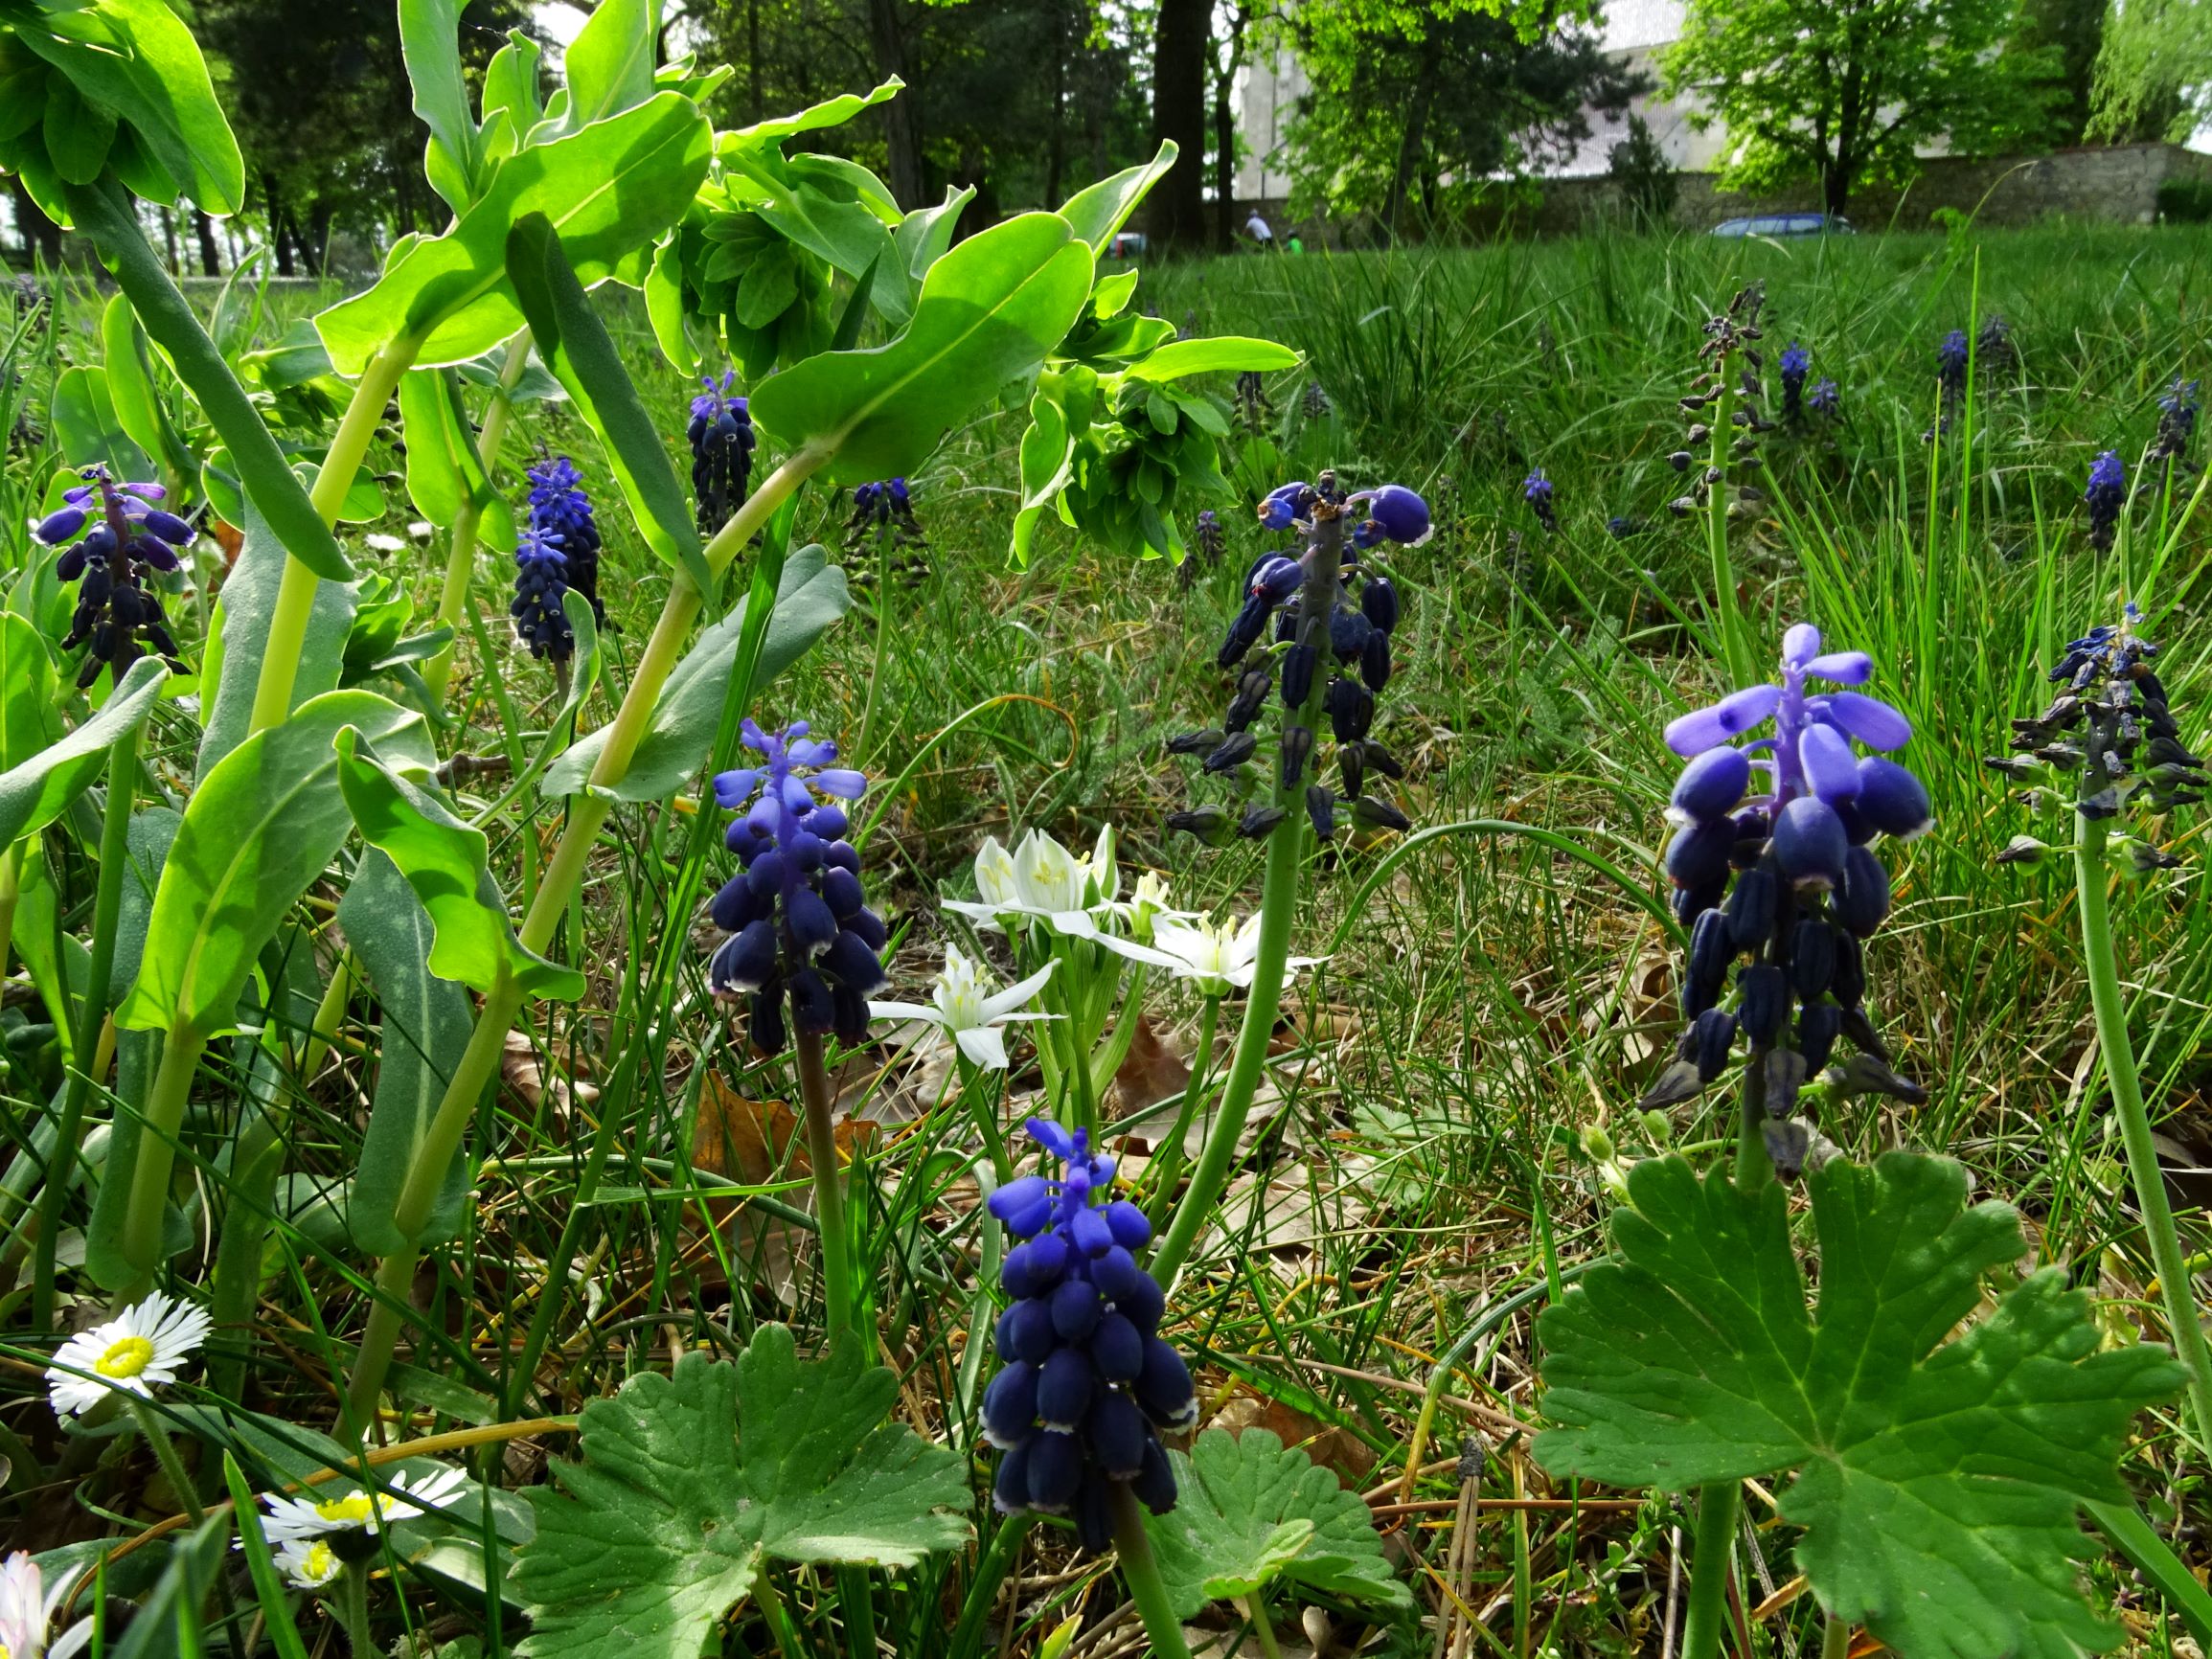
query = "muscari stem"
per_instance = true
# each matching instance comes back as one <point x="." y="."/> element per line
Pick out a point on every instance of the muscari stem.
<point x="91" y="1012"/>
<point x="1142" y="1575"/>
<point x="1732" y="651"/>
<point x="828" y="1184"/>
<point x="1172" y="1154"/>
<point x="1712" y="1556"/>
<point x="461" y="556"/>
<point x="587" y="811"/>
<point x="296" y="592"/>
<point x="1278" y="915"/>
<point x="156" y="1156"/>
<point x="883" y="535"/>
<point x="2176" y="1287"/>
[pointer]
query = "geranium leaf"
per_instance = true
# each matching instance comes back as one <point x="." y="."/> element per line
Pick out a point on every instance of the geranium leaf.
<point x="690" y="1481"/>
<point x="1937" y="1482"/>
<point x="1249" y="1513"/>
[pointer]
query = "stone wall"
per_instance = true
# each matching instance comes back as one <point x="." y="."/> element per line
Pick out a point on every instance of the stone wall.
<point x="2114" y="184"/>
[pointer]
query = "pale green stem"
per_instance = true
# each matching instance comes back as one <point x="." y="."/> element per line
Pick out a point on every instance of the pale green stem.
<point x="828" y="1184"/>
<point x="1711" y="1556"/>
<point x="91" y="1012"/>
<point x="296" y="592"/>
<point x="156" y="1433"/>
<point x="1142" y="1575"/>
<point x="1278" y="915"/>
<point x="1732" y="647"/>
<point x="1171" y="1157"/>
<point x="587" y="813"/>
<point x="330" y="1012"/>
<point x="11" y="891"/>
<point x="1256" y="1610"/>
<point x="2176" y="1287"/>
<point x="157" y="1155"/>
<point x="1836" y="1643"/>
<point x="461" y="557"/>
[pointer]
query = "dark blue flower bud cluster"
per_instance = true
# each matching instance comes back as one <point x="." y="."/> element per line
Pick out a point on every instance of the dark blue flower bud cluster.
<point x="1209" y="543"/>
<point x="561" y="513"/>
<point x="111" y="534"/>
<point x="1088" y="1386"/>
<point x="798" y="919"/>
<point x="1993" y="350"/>
<point x="1781" y="888"/>
<point x="1729" y="364"/>
<point x="2113" y="726"/>
<point x="1825" y="399"/>
<point x="1255" y="409"/>
<point x="722" y="442"/>
<point x="540" y="580"/>
<point x="1536" y="490"/>
<point x="1953" y="357"/>
<point x="2177" y="410"/>
<point x="883" y="509"/>
<point x="2106" y="498"/>
<point x="1327" y="607"/>
<point x="1795" y="364"/>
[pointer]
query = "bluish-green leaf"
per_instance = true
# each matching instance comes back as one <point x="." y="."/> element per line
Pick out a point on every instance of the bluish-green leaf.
<point x="136" y="58"/>
<point x="231" y="668"/>
<point x="576" y="346"/>
<point x="690" y="1483"/>
<point x="609" y="189"/>
<point x="263" y="824"/>
<point x="429" y="41"/>
<point x="35" y="791"/>
<point x="28" y="718"/>
<point x="609" y="64"/>
<point x="85" y="427"/>
<point x="810" y="598"/>
<point x="130" y="387"/>
<point x="1100" y="209"/>
<point x="448" y="864"/>
<point x="989" y="312"/>
<point x="1936" y="1482"/>
<point x="425" y="1026"/>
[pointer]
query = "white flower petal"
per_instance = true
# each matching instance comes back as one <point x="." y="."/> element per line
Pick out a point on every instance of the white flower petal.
<point x="904" y="1010"/>
<point x="1003" y="1003"/>
<point x="982" y="1045"/>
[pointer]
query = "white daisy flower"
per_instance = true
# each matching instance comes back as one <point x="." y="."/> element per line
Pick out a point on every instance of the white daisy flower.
<point x="1215" y="956"/>
<point x="967" y="1012"/>
<point x="142" y="1346"/>
<point x="1042" y="880"/>
<point x="377" y="542"/>
<point x="309" y="1564"/>
<point x="27" y="1608"/>
<point x="305" y="1518"/>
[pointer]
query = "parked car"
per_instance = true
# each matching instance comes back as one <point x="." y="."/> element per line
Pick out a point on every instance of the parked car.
<point x="1128" y="245"/>
<point x="1786" y="225"/>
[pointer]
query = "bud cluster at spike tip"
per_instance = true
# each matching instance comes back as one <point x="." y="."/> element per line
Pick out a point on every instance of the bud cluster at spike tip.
<point x="1353" y="636"/>
<point x="1992" y="347"/>
<point x="2106" y="497"/>
<point x="111" y="534"/>
<point x="1209" y="543"/>
<point x="879" y="509"/>
<point x="2113" y="726"/>
<point x="1255" y="409"/>
<point x="540" y="578"/>
<point x="1776" y="877"/>
<point x="722" y="440"/>
<point x="799" y="923"/>
<point x="1795" y="363"/>
<point x="2178" y="411"/>
<point x="1729" y="363"/>
<point x="1952" y="355"/>
<point x="561" y="513"/>
<point x="1536" y="490"/>
<point x="1088" y="1386"/>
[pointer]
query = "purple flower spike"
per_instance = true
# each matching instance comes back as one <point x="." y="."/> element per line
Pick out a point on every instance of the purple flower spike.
<point x="1842" y="668"/>
<point x="1892" y="800"/>
<point x="1710" y="785"/>
<point x="1869" y="720"/>
<point x="1402" y="515"/>
<point x="1831" y="768"/>
<point x="1734" y="714"/>
<point x="1810" y="844"/>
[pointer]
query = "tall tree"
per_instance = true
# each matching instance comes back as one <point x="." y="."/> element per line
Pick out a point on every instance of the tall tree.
<point x="2068" y="34"/>
<point x="2153" y="73"/>
<point x="1846" y="92"/>
<point x="1183" y="45"/>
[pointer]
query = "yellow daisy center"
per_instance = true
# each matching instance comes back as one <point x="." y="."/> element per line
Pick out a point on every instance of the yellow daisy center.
<point x="320" y="1564"/>
<point x="126" y="1356"/>
<point x="351" y="1511"/>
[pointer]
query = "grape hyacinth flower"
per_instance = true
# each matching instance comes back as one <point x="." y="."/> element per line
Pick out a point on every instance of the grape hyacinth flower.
<point x="561" y="512"/>
<point x="540" y="580"/>
<point x="2177" y="409"/>
<point x="1536" y="490"/>
<point x="1254" y="408"/>
<point x="800" y="927"/>
<point x="2106" y="497"/>
<point x="1088" y="1385"/>
<point x="1994" y="348"/>
<point x="1729" y="362"/>
<point x="1952" y="355"/>
<point x="111" y="536"/>
<point x="1209" y="541"/>
<point x="1825" y="399"/>
<point x="1795" y="364"/>
<point x="1317" y="404"/>
<point x="1319" y="618"/>
<point x="722" y="441"/>
<point x="1771" y="860"/>
<point x="881" y="509"/>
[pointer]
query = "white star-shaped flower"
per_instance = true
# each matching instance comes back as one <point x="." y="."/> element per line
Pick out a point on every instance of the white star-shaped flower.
<point x="140" y="1348"/>
<point x="963" y="1006"/>
<point x="305" y="1518"/>
<point x="1214" y="955"/>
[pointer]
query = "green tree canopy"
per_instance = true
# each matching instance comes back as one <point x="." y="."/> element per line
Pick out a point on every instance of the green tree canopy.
<point x="1847" y="92"/>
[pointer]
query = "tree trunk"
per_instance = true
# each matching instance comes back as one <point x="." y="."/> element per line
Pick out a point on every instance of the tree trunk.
<point x="211" y="262"/>
<point x="41" y="235"/>
<point x="318" y="247"/>
<point x="902" y="115"/>
<point x="1408" y="154"/>
<point x="169" y="241"/>
<point x="1224" y="163"/>
<point x="1055" y="145"/>
<point x="1835" y="185"/>
<point x="273" y="199"/>
<point x="1180" y="41"/>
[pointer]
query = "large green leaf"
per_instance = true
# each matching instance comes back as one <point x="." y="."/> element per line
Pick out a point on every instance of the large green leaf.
<point x="230" y="669"/>
<point x="264" y="822"/>
<point x="106" y="214"/>
<point x="27" y="723"/>
<point x="575" y="344"/>
<point x="429" y="41"/>
<point x="151" y="833"/>
<point x="810" y="596"/>
<point x="443" y="471"/>
<point x="136" y="58"/>
<point x="609" y="189"/>
<point x="137" y="400"/>
<point x="989" y="312"/>
<point x="426" y="1025"/>
<point x="1098" y="211"/>
<point x="1249" y="1513"/>
<point x="1223" y="354"/>
<point x="831" y="112"/>
<point x="1936" y="1482"/>
<point x="448" y="864"/>
<point x="609" y="64"/>
<point x="34" y="791"/>
<point x="85" y="427"/>
<point x="690" y="1483"/>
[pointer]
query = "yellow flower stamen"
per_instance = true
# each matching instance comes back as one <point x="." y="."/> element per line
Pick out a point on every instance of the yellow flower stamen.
<point x="320" y="1564"/>
<point x="126" y="1356"/>
<point x="354" y="1510"/>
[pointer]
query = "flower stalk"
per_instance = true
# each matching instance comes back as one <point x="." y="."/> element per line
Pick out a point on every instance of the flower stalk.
<point x="461" y="556"/>
<point x="829" y="1185"/>
<point x="1141" y="1573"/>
